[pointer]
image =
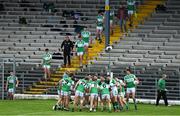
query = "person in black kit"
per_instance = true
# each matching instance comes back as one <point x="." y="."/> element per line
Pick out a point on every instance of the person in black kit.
<point x="67" y="46"/>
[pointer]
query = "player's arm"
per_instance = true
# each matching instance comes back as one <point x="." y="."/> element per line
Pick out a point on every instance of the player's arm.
<point x="17" y="82"/>
<point x="123" y="84"/>
<point x="62" y="45"/>
<point x="60" y="84"/>
<point x="6" y="85"/>
<point x="76" y="85"/>
<point x="136" y="79"/>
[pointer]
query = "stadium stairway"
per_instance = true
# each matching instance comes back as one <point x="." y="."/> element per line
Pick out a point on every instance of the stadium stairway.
<point x="44" y="86"/>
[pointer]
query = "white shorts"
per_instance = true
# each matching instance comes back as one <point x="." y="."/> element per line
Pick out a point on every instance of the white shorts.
<point x="131" y="90"/>
<point x="64" y="93"/>
<point x="80" y="53"/>
<point x="99" y="28"/>
<point x="47" y="66"/>
<point x="130" y="12"/>
<point x="105" y="96"/>
<point x="11" y="90"/>
<point x="86" y="44"/>
<point x="79" y="94"/>
<point x="114" y="92"/>
<point x="122" y="94"/>
<point x="95" y="95"/>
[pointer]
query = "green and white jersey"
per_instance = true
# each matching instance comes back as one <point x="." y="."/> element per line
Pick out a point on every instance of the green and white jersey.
<point x="80" y="45"/>
<point x="111" y="15"/>
<point x="100" y="20"/>
<point x="47" y="59"/>
<point x="94" y="87"/>
<point x="66" y="84"/>
<point x="121" y="83"/>
<point x="131" y="5"/>
<point x="88" y="84"/>
<point x="129" y="80"/>
<point x="11" y="82"/>
<point x="104" y="88"/>
<point x="85" y="36"/>
<point x="82" y="85"/>
<point x="112" y="82"/>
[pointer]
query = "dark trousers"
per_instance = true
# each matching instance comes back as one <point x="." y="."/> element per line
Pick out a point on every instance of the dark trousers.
<point x="161" y="93"/>
<point x="67" y="56"/>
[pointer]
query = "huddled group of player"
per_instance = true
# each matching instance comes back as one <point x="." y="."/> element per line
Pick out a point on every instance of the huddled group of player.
<point x="93" y="93"/>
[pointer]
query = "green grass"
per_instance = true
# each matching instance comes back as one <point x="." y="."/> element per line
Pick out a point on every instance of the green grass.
<point x="44" y="107"/>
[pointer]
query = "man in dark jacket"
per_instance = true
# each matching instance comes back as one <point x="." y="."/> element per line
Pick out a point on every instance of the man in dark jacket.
<point x="67" y="46"/>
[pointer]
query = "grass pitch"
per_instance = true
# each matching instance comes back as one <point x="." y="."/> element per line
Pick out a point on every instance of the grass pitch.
<point x="44" y="107"/>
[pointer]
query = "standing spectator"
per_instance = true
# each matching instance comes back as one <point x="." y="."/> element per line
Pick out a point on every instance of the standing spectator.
<point x="11" y="84"/>
<point x="162" y="90"/>
<point x="131" y="6"/>
<point x="67" y="46"/>
<point x="122" y="16"/>
<point x="46" y="62"/>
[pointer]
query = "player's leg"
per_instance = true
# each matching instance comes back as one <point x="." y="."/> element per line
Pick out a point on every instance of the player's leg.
<point x="81" y="58"/>
<point x="86" y="101"/>
<point x="86" y="50"/>
<point x="124" y="100"/>
<point x="158" y="97"/>
<point x="130" y="13"/>
<point x="11" y="93"/>
<point x="100" y="34"/>
<point x="65" y="59"/>
<point x="121" y="104"/>
<point x="95" y="102"/>
<point x="127" y="95"/>
<point x="48" y="71"/>
<point x="102" y="102"/>
<point x="81" y="101"/>
<point x="116" y="106"/>
<point x="69" y="59"/>
<point x="108" y="102"/>
<point x="75" y="101"/>
<point x="91" y="102"/>
<point x="66" y="101"/>
<point x="165" y="98"/>
<point x="133" y="91"/>
<point x="45" y="71"/>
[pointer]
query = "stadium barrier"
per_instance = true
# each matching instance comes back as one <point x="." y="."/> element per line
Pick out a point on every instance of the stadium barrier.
<point x="145" y="101"/>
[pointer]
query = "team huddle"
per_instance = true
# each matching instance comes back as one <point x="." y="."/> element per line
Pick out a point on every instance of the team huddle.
<point x="93" y="93"/>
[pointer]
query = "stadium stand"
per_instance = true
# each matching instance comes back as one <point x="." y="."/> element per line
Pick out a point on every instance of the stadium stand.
<point x="149" y="50"/>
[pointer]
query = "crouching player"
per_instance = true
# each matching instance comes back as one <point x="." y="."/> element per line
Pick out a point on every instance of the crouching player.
<point x="131" y="81"/>
<point x="105" y="95"/>
<point x="79" y="93"/>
